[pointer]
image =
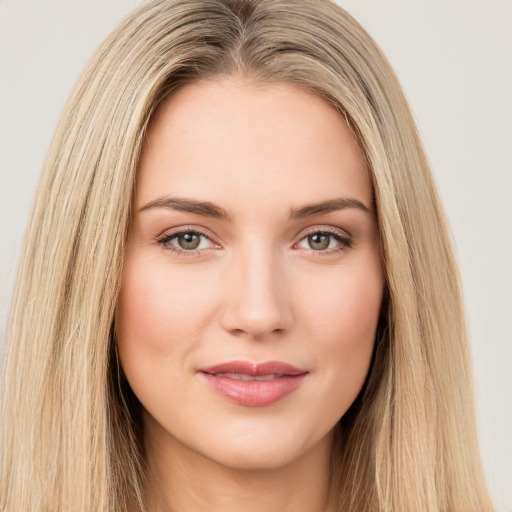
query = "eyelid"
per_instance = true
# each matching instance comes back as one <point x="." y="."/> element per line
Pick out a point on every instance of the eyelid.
<point x="185" y="229"/>
<point x="326" y="229"/>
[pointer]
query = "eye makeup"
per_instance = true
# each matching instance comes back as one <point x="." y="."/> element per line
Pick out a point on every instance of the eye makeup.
<point x="315" y="236"/>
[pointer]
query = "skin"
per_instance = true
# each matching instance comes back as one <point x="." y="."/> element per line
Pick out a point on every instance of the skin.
<point x="260" y="289"/>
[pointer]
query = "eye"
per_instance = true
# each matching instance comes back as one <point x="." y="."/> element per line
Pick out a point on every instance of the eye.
<point x="326" y="242"/>
<point x="192" y="242"/>
<point x="186" y="241"/>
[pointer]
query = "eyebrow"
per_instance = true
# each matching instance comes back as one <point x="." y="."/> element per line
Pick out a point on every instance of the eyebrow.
<point x="209" y="209"/>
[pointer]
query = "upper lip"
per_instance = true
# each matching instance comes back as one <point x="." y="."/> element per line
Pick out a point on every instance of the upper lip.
<point x="254" y="369"/>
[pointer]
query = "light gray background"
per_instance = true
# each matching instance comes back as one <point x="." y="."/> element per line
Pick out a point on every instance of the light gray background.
<point x="453" y="58"/>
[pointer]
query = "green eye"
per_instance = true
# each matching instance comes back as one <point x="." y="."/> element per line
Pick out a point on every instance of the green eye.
<point x="320" y="241"/>
<point x="188" y="241"/>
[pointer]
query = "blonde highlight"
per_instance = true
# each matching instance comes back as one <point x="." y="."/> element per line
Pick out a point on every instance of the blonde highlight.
<point x="409" y="440"/>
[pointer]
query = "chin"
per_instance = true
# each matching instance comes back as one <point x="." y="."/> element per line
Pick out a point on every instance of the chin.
<point x="260" y="456"/>
<point x="256" y="448"/>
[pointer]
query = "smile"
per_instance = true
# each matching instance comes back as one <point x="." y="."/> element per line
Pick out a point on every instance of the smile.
<point x="253" y="385"/>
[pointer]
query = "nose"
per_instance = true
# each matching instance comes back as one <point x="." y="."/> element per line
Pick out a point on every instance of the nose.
<point x="258" y="298"/>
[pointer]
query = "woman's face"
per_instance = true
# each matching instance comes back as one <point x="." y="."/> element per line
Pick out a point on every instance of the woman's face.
<point x="252" y="282"/>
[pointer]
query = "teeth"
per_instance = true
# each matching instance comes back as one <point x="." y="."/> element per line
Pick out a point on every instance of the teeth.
<point x="243" y="376"/>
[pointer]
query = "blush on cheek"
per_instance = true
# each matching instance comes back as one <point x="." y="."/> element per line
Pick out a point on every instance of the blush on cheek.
<point x="159" y="312"/>
<point x="137" y="322"/>
<point x="350" y="317"/>
<point x="354" y="313"/>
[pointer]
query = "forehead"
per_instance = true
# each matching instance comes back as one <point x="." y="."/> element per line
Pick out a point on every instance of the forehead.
<point x="250" y="145"/>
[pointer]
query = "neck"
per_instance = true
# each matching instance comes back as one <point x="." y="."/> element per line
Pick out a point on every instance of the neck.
<point x="182" y="479"/>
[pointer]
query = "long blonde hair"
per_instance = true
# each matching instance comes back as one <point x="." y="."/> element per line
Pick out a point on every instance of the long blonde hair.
<point x="70" y="432"/>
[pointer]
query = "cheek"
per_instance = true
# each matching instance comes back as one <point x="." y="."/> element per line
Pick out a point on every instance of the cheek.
<point x="159" y="318"/>
<point x="347" y="311"/>
<point x="345" y="322"/>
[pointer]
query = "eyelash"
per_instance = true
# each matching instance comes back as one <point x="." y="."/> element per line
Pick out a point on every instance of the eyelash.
<point x="344" y="240"/>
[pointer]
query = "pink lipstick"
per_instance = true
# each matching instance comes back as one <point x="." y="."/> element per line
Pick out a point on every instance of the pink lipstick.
<point x="251" y="384"/>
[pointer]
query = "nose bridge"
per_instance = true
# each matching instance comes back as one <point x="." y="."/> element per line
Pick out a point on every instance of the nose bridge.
<point x="257" y="301"/>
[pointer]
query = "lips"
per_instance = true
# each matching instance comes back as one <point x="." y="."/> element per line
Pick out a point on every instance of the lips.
<point x="251" y="384"/>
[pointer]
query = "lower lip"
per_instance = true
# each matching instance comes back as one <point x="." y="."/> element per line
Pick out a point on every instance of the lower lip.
<point x="254" y="393"/>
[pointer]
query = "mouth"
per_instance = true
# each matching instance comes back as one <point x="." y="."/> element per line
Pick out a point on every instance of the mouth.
<point x="251" y="384"/>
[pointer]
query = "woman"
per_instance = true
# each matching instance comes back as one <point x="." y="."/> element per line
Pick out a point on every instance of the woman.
<point x="263" y="108"/>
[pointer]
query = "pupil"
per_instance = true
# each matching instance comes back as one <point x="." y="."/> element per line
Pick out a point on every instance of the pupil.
<point x="321" y="241"/>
